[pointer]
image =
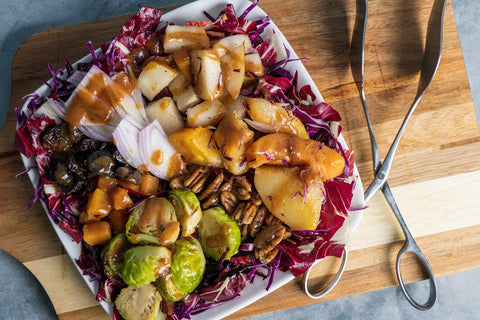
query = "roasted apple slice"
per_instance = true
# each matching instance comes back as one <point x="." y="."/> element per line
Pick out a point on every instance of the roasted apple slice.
<point x="155" y="76"/>
<point x="207" y="73"/>
<point x="165" y="111"/>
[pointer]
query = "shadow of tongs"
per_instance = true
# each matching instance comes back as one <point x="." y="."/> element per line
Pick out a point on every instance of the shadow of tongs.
<point x="431" y="60"/>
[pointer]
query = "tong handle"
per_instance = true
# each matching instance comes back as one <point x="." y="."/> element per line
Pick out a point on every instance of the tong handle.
<point x="330" y="285"/>
<point x="411" y="246"/>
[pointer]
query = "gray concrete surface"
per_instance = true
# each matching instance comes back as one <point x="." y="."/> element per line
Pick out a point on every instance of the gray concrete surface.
<point x="458" y="294"/>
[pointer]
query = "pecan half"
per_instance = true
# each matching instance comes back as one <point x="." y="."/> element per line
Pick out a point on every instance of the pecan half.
<point x="229" y="201"/>
<point x="212" y="187"/>
<point x="266" y="241"/>
<point x="242" y="188"/>
<point x="244" y="213"/>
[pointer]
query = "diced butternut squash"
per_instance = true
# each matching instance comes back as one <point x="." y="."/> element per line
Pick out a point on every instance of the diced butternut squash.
<point x="85" y="218"/>
<point x="149" y="184"/>
<point x="183" y="93"/>
<point x="165" y="111"/>
<point x="99" y="204"/>
<point x="118" y="220"/>
<point x="206" y="114"/>
<point x="106" y="183"/>
<point x="286" y="149"/>
<point x="97" y="233"/>
<point x="233" y="137"/>
<point x="207" y="73"/>
<point x="155" y="76"/>
<point x="274" y="116"/>
<point x="177" y="37"/>
<point x="129" y="185"/>
<point x="197" y="146"/>
<point x="120" y="199"/>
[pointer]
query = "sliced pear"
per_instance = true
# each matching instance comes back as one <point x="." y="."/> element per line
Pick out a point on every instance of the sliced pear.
<point x="233" y="137"/>
<point x="183" y="93"/>
<point x="207" y="73"/>
<point x="165" y="111"/>
<point x="277" y="117"/>
<point x="206" y="114"/>
<point x="182" y="60"/>
<point x="234" y="105"/>
<point x="292" y="194"/>
<point x="155" y="76"/>
<point x="287" y="149"/>
<point x="233" y="68"/>
<point x="231" y="42"/>
<point x="177" y="37"/>
<point x="253" y="65"/>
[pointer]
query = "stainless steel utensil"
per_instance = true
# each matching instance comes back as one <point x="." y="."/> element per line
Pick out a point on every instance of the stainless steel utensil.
<point x="431" y="60"/>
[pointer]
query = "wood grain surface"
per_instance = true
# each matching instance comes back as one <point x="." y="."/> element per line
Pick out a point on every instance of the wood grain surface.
<point x="435" y="177"/>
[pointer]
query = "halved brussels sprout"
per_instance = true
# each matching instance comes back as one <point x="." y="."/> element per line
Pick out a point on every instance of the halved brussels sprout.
<point x="144" y="264"/>
<point x="219" y="233"/>
<point x="188" y="267"/>
<point x="139" y="303"/>
<point x="187" y="208"/>
<point x="153" y="222"/>
<point x="113" y="253"/>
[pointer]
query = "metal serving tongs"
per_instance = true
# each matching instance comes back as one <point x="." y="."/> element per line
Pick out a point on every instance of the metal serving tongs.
<point x="431" y="60"/>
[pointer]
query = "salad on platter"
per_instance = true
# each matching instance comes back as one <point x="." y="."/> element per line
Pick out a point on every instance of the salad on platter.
<point x="188" y="162"/>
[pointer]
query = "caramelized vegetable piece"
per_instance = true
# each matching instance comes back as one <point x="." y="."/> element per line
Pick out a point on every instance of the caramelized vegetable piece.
<point x="155" y="76"/>
<point x="183" y="93"/>
<point x="166" y="113"/>
<point x="219" y="233"/>
<point x="276" y="117"/>
<point x="85" y="218"/>
<point x="207" y="74"/>
<point x="292" y="194"/>
<point x="233" y="69"/>
<point x="112" y="255"/>
<point x="285" y="149"/>
<point x="182" y="60"/>
<point x="197" y="146"/>
<point x="97" y="233"/>
<point x="149" y="184"/>
<point x="153" y="222"/>
<point x="139" y="303"/>
<point x="99" y="204"/>
<point x="206" y="114"/>
<point x="120" y="199"/>
<point x="187" y="209"/>
<point x="118" y="219"/>
<point x="233" y="137"/>
<point x="178" y="37"/>
<point x="144" y="264"/>
<point x="106" y="183"/>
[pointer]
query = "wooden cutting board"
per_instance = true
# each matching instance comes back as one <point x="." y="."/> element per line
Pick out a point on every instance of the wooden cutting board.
<point x="436" y="172"/>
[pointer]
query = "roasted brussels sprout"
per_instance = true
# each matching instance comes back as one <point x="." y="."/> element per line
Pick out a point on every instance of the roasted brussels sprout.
<point x="153" y="222"/>
<point x="139" y="303"/>
<point x="144" y="264"/>
<point x="219" y="233"/>
<point x="112" y="255"/>
<point x="188" y="267"/>
<point x="187" y="208"/>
